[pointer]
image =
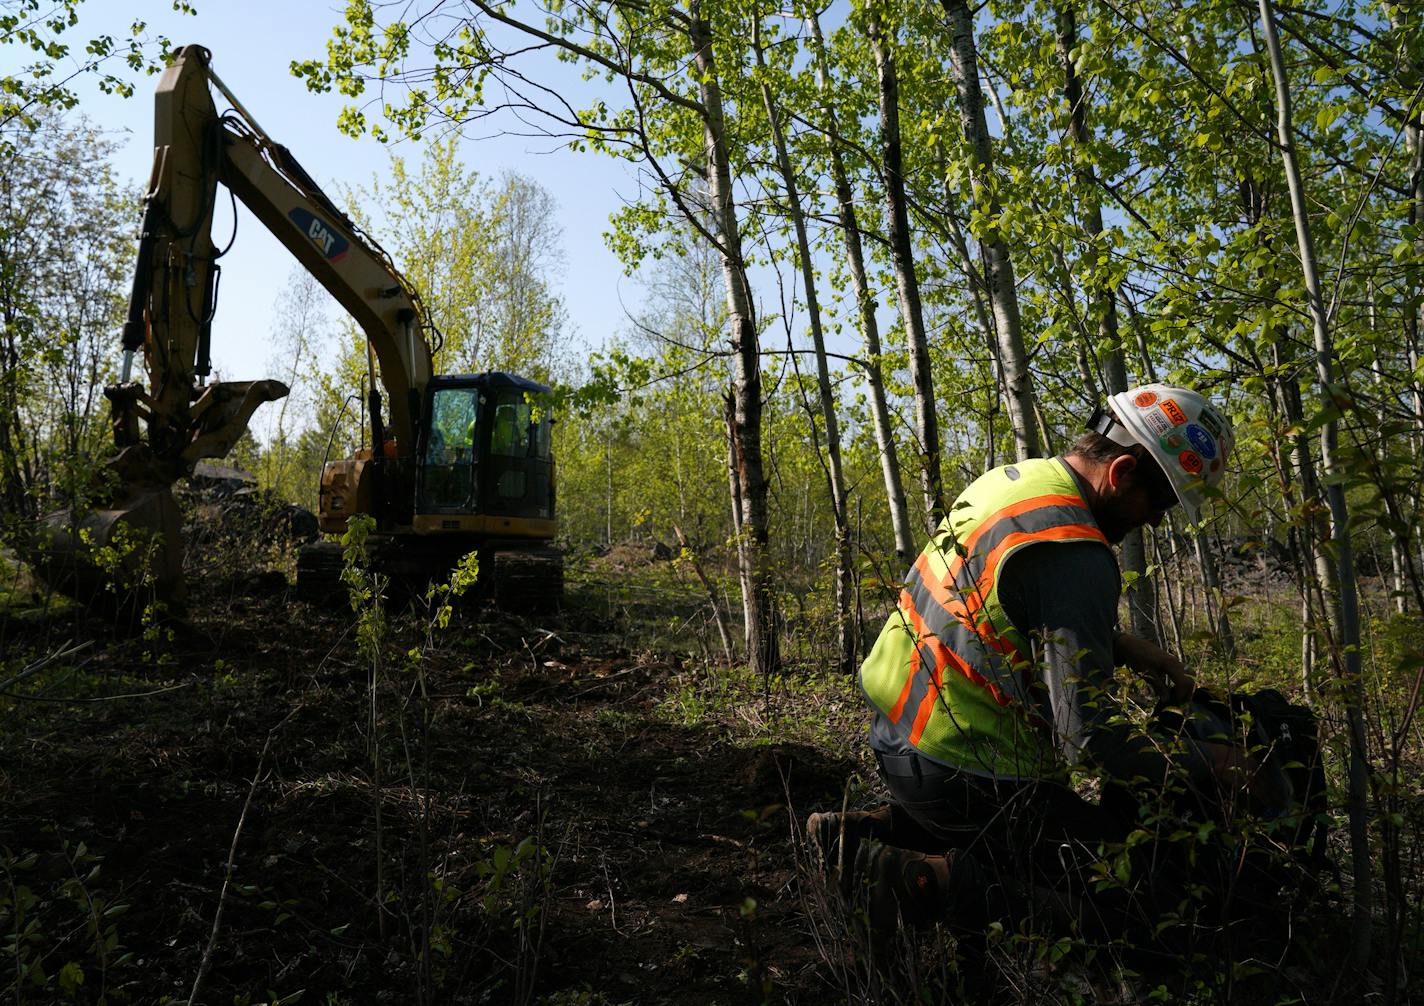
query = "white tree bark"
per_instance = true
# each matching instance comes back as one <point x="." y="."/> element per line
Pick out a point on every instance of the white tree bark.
<point x="756" y="578"/>
<point x="999" y="267"/>
<point x="865" y="307"/>
<point x="1345" y="605"/>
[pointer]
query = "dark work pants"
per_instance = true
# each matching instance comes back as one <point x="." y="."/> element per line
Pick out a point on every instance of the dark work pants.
<point x="1039" y="841"/>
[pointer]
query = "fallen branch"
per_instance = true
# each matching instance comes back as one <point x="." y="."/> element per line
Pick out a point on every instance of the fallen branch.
<point x="95" y="698"/>
<point x="44" y="662"/>
<point x="721" y="619"/>
<point x="231" y="867"/>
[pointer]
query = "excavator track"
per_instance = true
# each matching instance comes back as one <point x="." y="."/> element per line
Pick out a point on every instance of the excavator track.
<point x="319" y="566"/>
<point x="524" y="579"/>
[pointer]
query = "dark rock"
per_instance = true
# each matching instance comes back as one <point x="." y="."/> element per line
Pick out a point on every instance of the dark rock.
<point x="219" y="480"/>
<point x="297" y="523"/>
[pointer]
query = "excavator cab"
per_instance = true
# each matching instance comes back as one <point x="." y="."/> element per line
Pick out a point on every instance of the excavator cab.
<point x="448" y="480"/>
<point x="482" y="481"/>
<point x="486" y="465"/>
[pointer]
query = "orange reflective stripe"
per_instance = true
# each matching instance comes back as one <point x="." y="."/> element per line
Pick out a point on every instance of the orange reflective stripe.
<point x="939" y="589"/>
<point x="944" y="590"/>
<point x="943" y="656"/>
<point x="927" y="704"/>
<point x="907" y="605"/>
<point x="1022" y="506"/>
<point x="970" y="609"/>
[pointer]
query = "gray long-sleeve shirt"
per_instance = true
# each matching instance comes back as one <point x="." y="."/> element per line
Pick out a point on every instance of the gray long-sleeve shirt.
<point x="1064" y="596"/>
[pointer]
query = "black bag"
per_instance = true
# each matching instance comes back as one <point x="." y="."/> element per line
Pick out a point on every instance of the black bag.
<point x="1284" y="740"/>
<point x="1266" y="884"/>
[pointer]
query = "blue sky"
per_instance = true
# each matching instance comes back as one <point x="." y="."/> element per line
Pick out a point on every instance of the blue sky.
<point x="253" y="42"/>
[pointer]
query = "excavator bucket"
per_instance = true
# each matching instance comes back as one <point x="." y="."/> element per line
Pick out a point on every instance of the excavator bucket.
<point x="123" y="556"/>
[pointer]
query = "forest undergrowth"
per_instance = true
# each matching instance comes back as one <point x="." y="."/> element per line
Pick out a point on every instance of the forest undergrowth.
<point x="581" y="807"/>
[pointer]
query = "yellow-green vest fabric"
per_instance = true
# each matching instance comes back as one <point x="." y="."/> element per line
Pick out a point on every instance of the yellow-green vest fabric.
<point x="950" y="672"/>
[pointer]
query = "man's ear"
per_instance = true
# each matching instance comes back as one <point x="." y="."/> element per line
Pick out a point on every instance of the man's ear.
<point x="1119" y="468"/>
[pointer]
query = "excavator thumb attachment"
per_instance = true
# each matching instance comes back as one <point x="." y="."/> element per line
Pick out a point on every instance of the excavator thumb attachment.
<point x="125" y="556"/>
<point x="132" y="552"/>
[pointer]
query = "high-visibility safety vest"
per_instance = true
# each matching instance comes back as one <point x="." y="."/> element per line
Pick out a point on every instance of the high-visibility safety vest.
<point x="950" y="672"/>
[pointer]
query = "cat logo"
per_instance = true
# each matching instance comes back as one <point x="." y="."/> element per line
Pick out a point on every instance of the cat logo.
<point x="321" y="234"/>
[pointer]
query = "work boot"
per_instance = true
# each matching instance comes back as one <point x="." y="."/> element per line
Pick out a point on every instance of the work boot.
<point x="920" y="890"/>
<point x="836" y="839"/>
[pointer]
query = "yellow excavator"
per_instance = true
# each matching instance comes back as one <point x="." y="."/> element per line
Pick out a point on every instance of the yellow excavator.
<point x="456" y="463"/>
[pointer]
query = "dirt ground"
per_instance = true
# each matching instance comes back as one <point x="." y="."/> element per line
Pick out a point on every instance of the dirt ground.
<point x="580" y="807"/>
<point x="564" y="815"/>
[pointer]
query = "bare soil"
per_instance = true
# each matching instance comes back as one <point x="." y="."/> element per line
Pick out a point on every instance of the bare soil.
<point x="658" y="862"/>
<point x="571" y="808"/>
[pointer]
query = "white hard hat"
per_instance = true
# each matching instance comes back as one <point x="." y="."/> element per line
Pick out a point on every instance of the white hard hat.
<point x="1185" y="434"/>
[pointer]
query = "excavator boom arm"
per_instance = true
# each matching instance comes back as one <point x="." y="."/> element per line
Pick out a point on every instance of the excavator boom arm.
<point x="175" y="283"/>
<point x="273" y="186"/>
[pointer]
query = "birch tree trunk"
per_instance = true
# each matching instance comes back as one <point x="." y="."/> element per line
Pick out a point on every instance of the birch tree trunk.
<point x="1414" y="288"/>
<point x="734" y="486"/>
<point x="906" y="281"/>
<point x="999" y="268"/>
<point x="1315" y="573"/>
<point x="755" y="572"/>
<point x="1345" y="602"/>
<point x="845" y="626"/>
<point x="1141" y="601"/>
<point x="865" y="306"/>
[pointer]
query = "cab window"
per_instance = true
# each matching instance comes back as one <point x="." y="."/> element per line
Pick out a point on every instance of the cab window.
<point x="509" y="435"/>
<point x="452" y="428"/>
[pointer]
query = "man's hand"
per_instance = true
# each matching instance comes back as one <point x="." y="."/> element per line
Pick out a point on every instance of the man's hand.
<point x="1236" y="768"/>
<point x="1164" y="670"/>
<point x="1229" y="763"/>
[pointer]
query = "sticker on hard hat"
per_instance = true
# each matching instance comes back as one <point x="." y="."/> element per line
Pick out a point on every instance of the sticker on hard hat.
<point x="1173" y="442"/>
<point x="1158" y="422"/>
<point x="1203" y="441"/>
<point x="1216" y="466"/>
<point x="1145" y="400"/>
<point x="1174" y="411"/>
<point x="1190" y="462"/>
<point x="1212" y="423"/>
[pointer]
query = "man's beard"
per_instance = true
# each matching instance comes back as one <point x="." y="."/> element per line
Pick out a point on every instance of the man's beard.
<point x="1113" y="520"/>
